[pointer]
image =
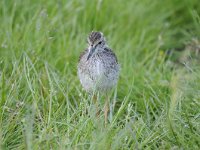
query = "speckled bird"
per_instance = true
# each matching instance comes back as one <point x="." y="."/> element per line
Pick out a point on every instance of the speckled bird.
<point x="98" y="68"/>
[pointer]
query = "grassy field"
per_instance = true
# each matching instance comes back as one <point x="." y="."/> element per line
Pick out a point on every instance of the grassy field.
<point x="157" y="101"/>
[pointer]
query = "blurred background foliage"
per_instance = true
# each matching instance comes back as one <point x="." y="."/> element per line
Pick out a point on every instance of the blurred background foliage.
<point x="157" y="102"/>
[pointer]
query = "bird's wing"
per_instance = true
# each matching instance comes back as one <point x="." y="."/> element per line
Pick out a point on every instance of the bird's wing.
<point x="83" y="53"/>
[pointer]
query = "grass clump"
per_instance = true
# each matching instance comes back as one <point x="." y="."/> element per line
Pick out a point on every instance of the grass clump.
<point x="42" y="105"/>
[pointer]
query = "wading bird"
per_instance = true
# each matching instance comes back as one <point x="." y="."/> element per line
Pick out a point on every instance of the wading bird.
<point x="98" y="68"/>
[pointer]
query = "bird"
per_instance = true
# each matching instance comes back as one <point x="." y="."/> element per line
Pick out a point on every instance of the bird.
<point x="98" y="68"/>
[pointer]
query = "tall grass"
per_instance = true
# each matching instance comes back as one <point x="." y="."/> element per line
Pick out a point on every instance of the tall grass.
<point x="42" y="104"/>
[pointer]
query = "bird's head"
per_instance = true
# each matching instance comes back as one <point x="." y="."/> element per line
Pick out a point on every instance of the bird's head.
<point x="96" y="42"/>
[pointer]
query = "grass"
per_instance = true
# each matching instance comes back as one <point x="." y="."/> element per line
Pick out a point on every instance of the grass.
<point x="157" y="101"/>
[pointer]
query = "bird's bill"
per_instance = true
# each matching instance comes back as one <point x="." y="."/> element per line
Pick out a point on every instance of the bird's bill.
<point x="91" y="51"/>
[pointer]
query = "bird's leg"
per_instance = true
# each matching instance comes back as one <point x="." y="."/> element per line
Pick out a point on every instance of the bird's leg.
<point x="106" y="110"/>
<point x="96" y="105"/>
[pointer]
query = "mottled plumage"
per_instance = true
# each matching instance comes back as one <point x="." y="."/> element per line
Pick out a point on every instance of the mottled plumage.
<point x="98" y="68"/>
<point x="94" y="36"/>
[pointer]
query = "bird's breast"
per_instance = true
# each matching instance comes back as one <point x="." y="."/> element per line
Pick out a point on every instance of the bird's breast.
<point x="99" y="67"/>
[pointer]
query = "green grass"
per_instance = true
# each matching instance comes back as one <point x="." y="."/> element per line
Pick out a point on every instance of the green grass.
<point x="157" y="101"/>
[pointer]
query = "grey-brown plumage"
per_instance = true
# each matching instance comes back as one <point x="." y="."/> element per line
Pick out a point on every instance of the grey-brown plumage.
<point x="94" y="36"/>
<point x="98" y="68"/>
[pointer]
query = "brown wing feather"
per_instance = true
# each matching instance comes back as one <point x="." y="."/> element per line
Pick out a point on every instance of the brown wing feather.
<point x="83" y="53"/>
<point x="111" y="52"/>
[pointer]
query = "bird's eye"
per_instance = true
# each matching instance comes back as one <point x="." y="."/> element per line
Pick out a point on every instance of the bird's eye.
<point x="100" y="42"/>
